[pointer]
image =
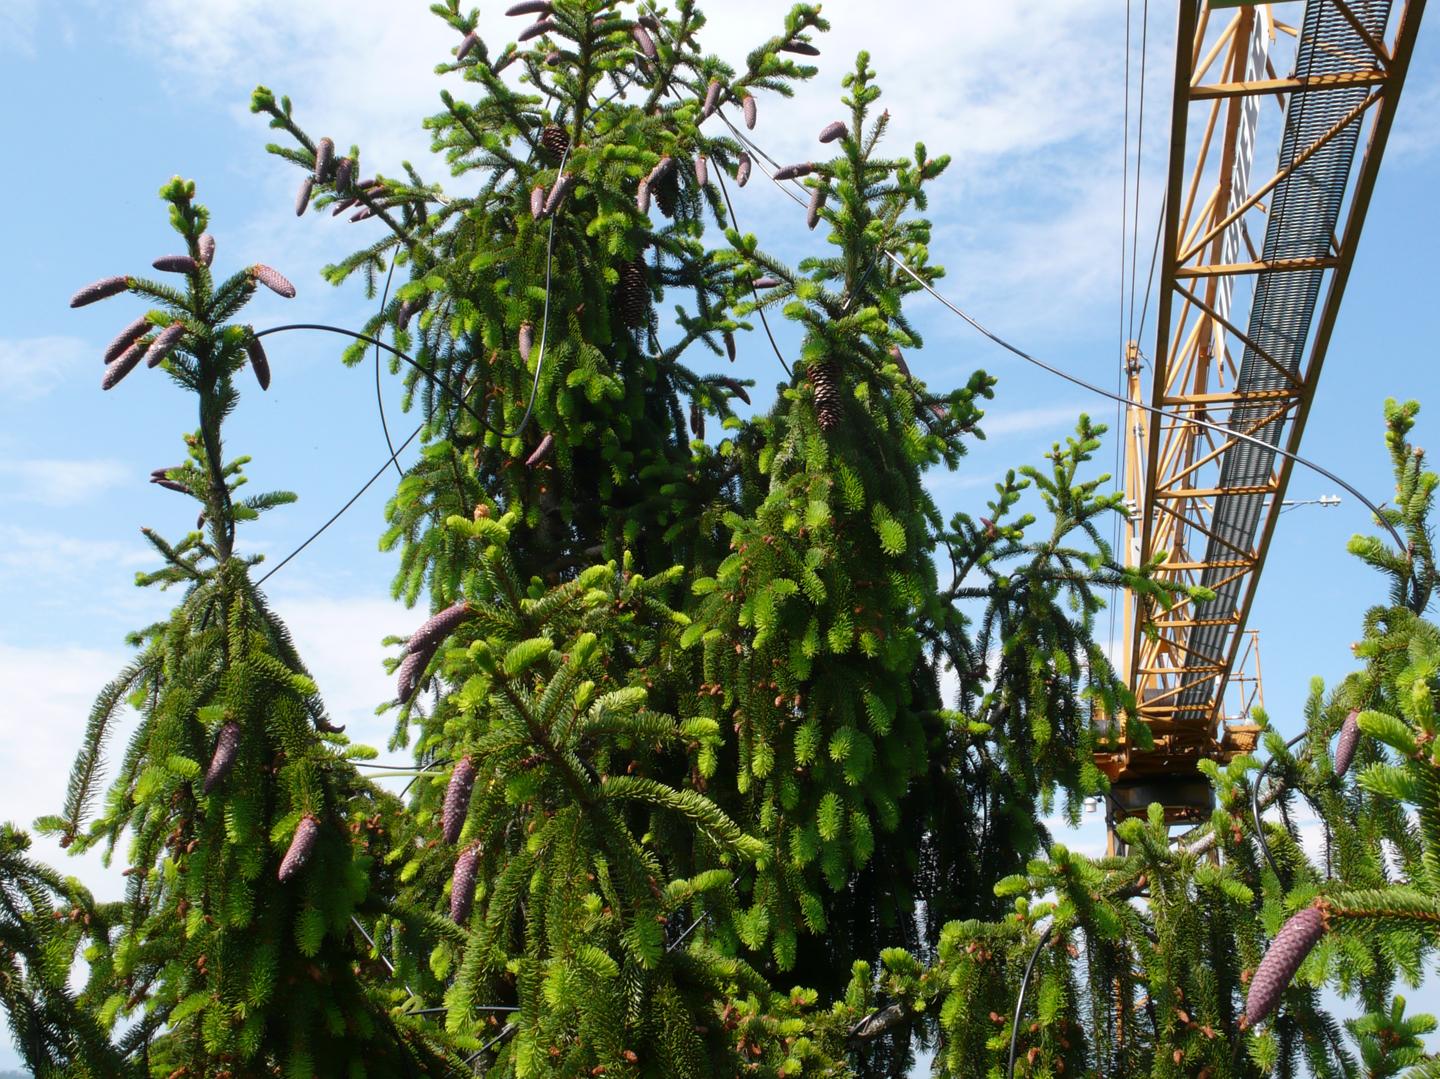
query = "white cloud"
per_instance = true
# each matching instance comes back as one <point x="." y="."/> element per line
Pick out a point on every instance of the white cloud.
<point x="47" y="694"/>
<point x="18" y="20"/>
<point x="1057" y="420"/>
<point x="53" y="482"/>
<point x="31" y="367"/>
<point x="38" y="552"/>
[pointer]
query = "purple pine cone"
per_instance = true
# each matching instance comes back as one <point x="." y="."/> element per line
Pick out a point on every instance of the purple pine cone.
<point x="800" y="48"/>
<point x="437" y="627"/>
<point x="457" y="799"/>
<point x="812" y="212"/>
<point x="176" y="264"/>
<point x="170" y="485"/>
<point x="259" y="363"/>
<point x="100" y="290"/>
<point x="407" y="677"/>
<point x="832" y="131"/>
<point x="792" y="172"/>
<point x="1282" y="959"/>
<point x="467" y="45"/>
<point x="642" y="197"/>
<point x="407" y="311"/>
<point x="535" y="29"/>
<point x="702" y="171"/>
<point x="226" y="747"/>
<point x="537" y="202"/>
<point x="504" y="61"/>
<point x="362" y="213"/>
<point x="324" y="156"/>
<point x="342" y="206"/>
<point x="765" y="282"/>
<point x="165" y="342"/>
<point x="899" y="358"/>
<point x="273" y="280"/>
<point x="729" y="345"/>
<point x="529" y="7"/>
<point x="1349" y="739"/>
<point x="462" y="886"/>
<point x="734" y="387"/>
<point x="127" y="337"/>
<point x="344" y="175"/>
<point x="301" y="847"/>
<point x="542" y="451"/>
<point x="643" y="39"/>
<point x="663" y="168"/>
<point x="526" y="341"/>
<point x="122" y="366"/>
<point x="563" y="186"/>
<point x="302" y="197"/>
<point x="554" y="56"/>
<point x="712" y="98"/>
<point x="742" y="170"/>
<point x="747" y="107"/>
<point x="206" y="244"/>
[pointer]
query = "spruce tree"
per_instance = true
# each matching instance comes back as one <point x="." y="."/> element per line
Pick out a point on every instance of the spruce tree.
<point x="690" y="799"/>
<point x="245" y="828"/>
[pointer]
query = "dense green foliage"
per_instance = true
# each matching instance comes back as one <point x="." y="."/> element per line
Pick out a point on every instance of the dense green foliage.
<point x="690" y="799"/>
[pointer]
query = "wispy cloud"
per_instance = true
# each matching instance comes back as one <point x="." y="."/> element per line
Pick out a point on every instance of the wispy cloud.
<point x="30" y="367"/>
<point x="1057" y="419"/>
<point x="53" y="482"/>
<point x="40" y="551"/>
<point x="18" y="20"/>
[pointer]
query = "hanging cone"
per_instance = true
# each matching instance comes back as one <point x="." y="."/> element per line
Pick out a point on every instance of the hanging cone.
<point x="324" y="156"/>
<point x="526" y="341"/>
<point x="747" y="107"/>
<point x="702" y="171"/>
<point x="632" y="293"/>
<point x="742" y="170"/>
<point x="439" y="626"/>
<point x="541" y="452"/>
<point x="667" y="193"/>
<point x="712" y="98"/>
<point x="555" y="140"/>
<point x="825" y="383"/>
<point x="165" y="341"/>
<point x="642" y="197"/>
<point x="227" y="744"/>
<point x="899" y="358"/>
<point x="273" y="280"/>
<point x="535" y="29"/>
<point x="537" y="202"/>
<point x="1296" y="939"/>
<point x="832" y="131"/>
<point x="643" y="39"/>
<point x="302" y="197"/>
<point x="697" y="419"/>
<point x="407" y="676"/>
<point x="127" y="337"/>
<point x="122" y="366"/>
<point x="462" y="886"/>
<point x="457" y="799"/>
<point x="1349" y="739"/>
<point x="259" y="362"/>
<point x="817" y="201"/>
<point x="729" y="345"/>
<point x="467" y="46"/>
<point x="301" y="847"/>
<point x="100" y="290"/>
<point x="563" y="186"/>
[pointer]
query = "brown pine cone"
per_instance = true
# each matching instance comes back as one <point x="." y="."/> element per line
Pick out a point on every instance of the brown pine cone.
<point x="462" y="886"/>
<point x="555" y="140"/>
<point x="632" y="294"/>
<point x="1349" y="739"/>
<point x="226" y="746"/>
<point x="1282" y="959"/>
<point x="825" y="383"/>
<point x="301" y="847"/>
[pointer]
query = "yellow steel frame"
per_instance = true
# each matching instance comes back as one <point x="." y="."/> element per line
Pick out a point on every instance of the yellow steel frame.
<point x="1172" y="468"/>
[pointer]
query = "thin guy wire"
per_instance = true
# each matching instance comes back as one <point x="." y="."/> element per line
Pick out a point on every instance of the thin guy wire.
<point x="1139" y="154"/>
<point x="1120" y="434"/>
<point x="379" y="397"/>
<point x="1076" y="380"/>
<point x="1020" y="1000"/>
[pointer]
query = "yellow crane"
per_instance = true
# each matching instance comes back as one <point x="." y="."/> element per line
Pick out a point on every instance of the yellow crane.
<point x="1252" y="269"/>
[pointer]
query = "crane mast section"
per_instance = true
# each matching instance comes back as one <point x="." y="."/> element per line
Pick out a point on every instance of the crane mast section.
<point x="1253" y="266"/>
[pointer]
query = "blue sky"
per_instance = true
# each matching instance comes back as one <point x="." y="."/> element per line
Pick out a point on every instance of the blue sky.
<point x="104" y="102"/>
